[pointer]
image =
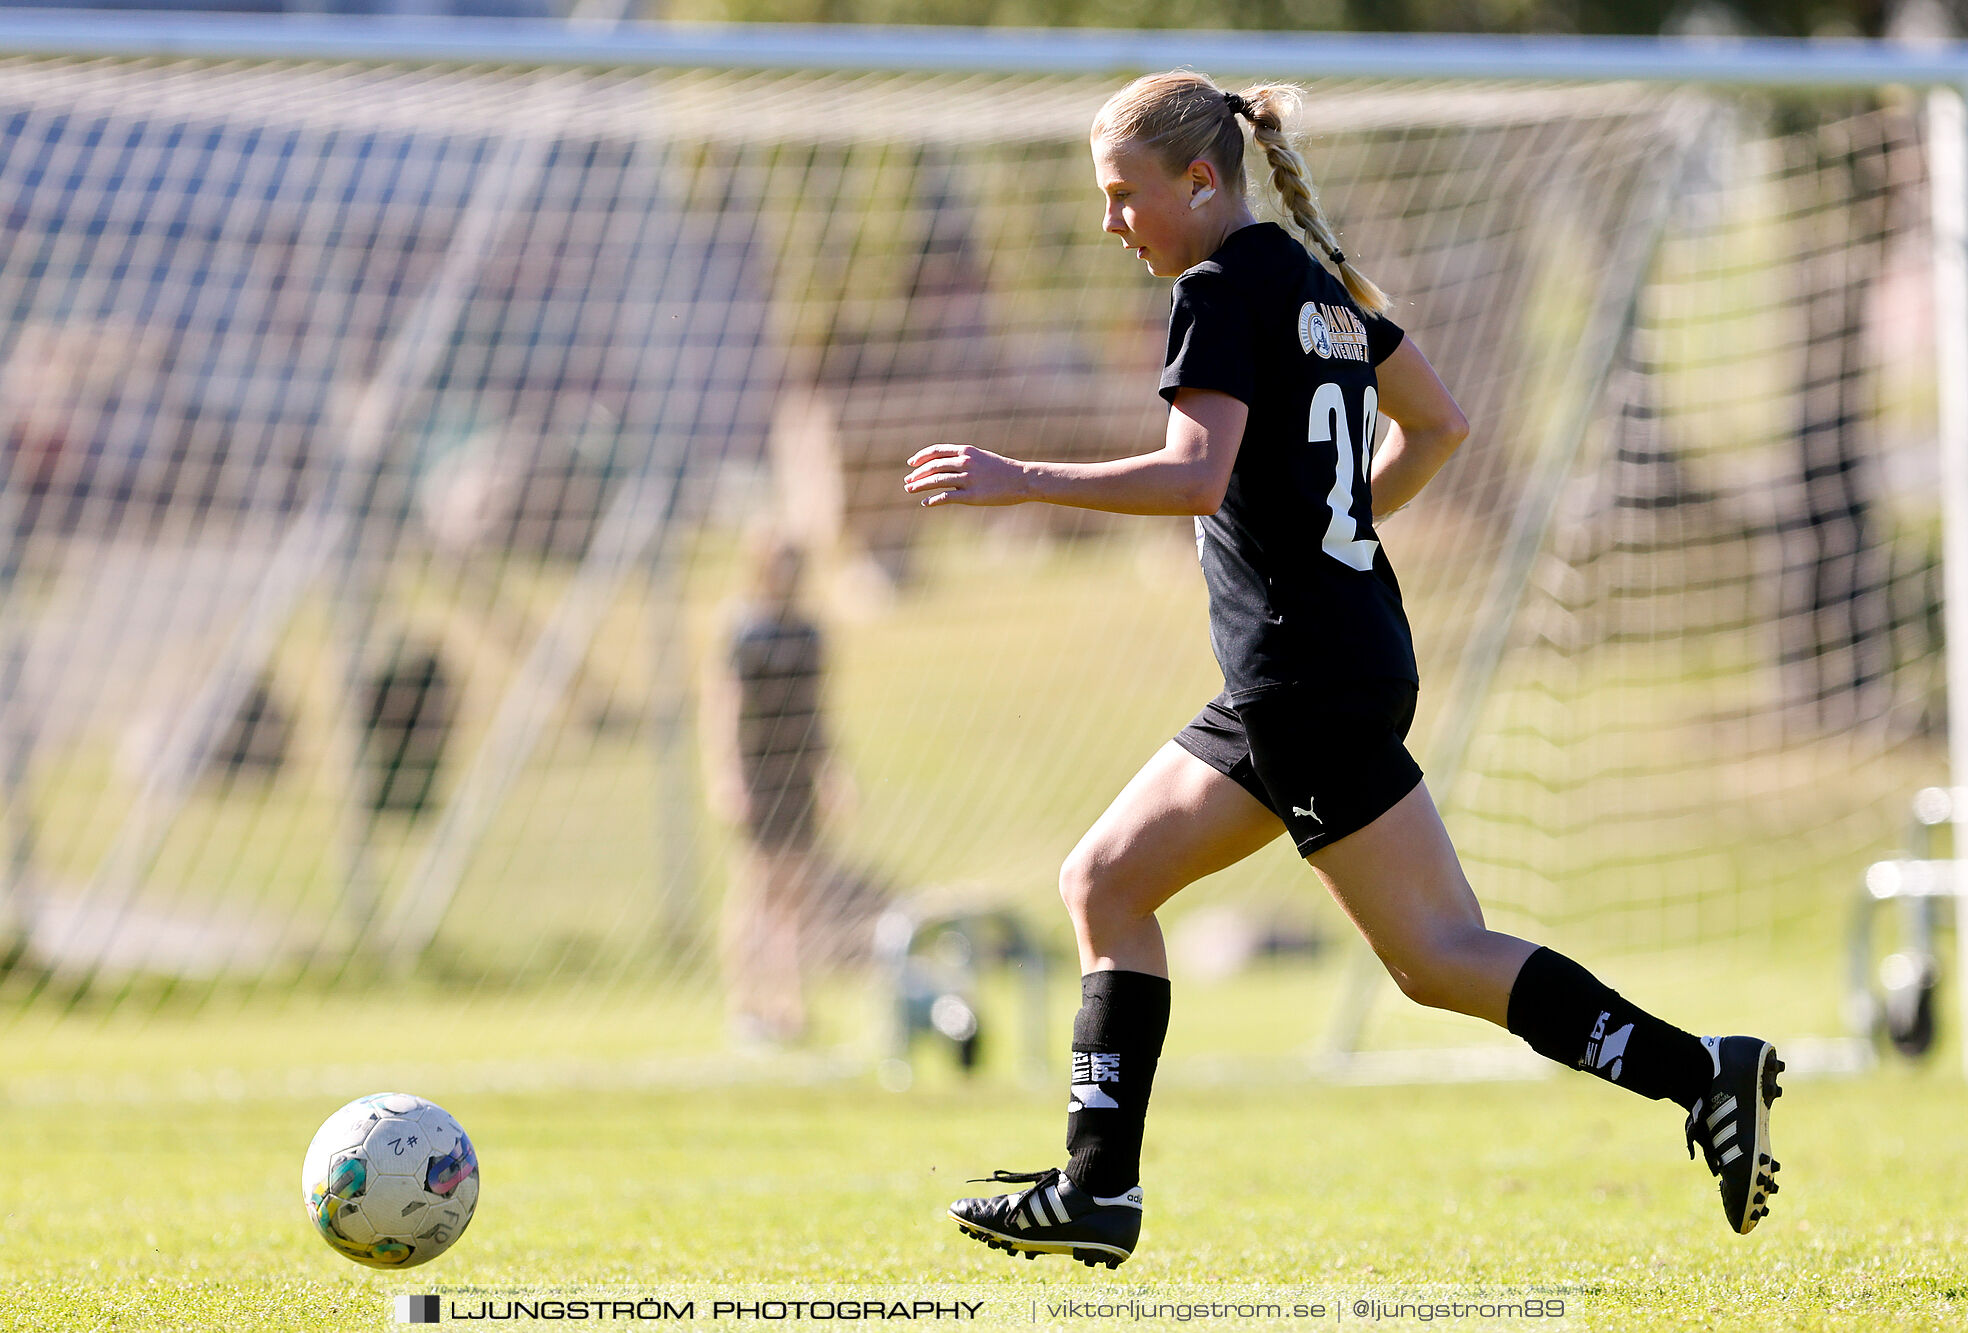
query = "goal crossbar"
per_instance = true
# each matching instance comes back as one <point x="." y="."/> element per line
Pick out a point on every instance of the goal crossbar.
<point x="1742" y="62"/>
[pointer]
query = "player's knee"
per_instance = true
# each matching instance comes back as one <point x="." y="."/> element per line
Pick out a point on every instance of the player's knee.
<point x="1092" y="886"/>
<point x="1079" y="883"/>
<point x="1424" y="986"/>
<point x="1433" y="968"/>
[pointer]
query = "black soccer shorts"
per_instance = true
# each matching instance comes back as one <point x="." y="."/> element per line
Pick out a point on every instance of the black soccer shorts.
<point x="1327" y="760"/>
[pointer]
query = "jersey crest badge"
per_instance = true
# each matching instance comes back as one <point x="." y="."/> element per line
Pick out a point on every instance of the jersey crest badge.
<point x="1313" y="335"/>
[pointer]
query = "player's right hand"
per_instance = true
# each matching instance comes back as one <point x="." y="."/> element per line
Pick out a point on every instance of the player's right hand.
<point x="965" y="474"/>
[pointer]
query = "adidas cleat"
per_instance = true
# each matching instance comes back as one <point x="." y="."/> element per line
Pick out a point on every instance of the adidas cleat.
<point x="1053" y="1216"/>
<point x="1732" y="1126"/>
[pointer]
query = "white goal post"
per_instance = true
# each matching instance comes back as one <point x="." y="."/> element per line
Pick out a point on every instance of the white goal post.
<point x="717" y="165"/>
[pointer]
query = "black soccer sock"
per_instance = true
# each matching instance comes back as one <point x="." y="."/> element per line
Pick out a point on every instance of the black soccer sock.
<point x="1117" y="1041"/>
<point x="1566" y="1014"/>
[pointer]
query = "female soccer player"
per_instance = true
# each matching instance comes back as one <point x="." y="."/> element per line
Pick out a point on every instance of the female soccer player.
<point x="1276" y="374"/>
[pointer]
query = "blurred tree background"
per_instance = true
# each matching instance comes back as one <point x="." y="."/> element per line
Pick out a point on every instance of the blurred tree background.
<point x="1785" y="18"/>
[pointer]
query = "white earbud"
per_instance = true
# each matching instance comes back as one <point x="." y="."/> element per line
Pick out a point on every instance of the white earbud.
<point x="1203" y="196"/>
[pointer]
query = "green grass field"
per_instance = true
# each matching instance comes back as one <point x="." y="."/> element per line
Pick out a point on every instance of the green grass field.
<point x="153" y="1166"/>
<point x="186" y="1215"/>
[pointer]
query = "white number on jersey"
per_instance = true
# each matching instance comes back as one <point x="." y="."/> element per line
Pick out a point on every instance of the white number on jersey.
<point x="1328" y="426"/>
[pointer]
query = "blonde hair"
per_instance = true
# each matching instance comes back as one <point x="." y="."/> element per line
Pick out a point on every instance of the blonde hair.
<point x="1181" y="116"/>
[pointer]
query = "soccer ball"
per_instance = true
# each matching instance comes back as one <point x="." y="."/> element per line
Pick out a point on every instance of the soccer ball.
<point x="390" y="1180"/>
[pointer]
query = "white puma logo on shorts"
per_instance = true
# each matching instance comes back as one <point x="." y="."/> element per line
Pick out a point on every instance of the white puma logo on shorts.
<point x="1307" y="812"/>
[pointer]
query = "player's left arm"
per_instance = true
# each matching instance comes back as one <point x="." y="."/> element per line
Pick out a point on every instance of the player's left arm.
<point x="1187" y="475"/>
<point x="1424" y="428"/>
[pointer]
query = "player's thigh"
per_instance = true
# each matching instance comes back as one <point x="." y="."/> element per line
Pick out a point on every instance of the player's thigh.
<point x="1176" y="821"/>
<point x="1336" y="765"/>
<point x="1400" y="882"/>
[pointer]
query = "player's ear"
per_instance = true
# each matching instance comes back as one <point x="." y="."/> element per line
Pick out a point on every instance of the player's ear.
<point x="1202" y="182"/>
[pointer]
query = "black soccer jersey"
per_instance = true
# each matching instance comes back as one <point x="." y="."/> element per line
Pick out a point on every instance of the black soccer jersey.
<point x="1299" y="589"/>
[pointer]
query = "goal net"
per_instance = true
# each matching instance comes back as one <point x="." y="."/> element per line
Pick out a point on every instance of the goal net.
<point x="389" y="450"/>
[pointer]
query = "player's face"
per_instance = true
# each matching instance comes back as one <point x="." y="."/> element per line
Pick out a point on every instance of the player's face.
<point x="1148" y="208"/>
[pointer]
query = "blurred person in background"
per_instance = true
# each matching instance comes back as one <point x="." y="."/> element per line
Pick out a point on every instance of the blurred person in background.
<point x="770" y="772"/>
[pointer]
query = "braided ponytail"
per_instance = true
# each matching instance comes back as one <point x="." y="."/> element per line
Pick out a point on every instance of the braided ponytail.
<point x="1182" y="116"/>
<point x="1267" y="106"/>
